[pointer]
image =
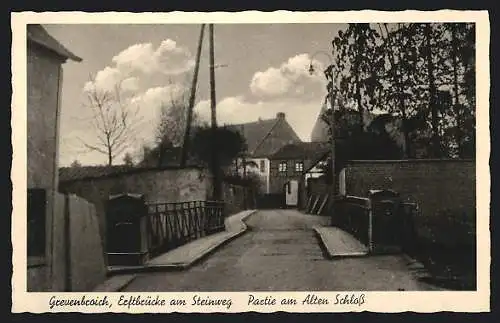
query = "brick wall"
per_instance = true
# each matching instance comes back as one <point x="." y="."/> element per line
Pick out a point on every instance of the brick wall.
<point x="43" y="74"/>
<point x="439" y="186"/>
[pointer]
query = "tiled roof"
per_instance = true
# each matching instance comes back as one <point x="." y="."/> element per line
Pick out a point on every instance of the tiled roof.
<point x="254" y="132"/>
<point x="302" y="150"/>
<point x="37" y="34"/>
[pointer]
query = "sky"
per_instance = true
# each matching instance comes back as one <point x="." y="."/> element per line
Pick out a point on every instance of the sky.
<point x="264" y="71"/>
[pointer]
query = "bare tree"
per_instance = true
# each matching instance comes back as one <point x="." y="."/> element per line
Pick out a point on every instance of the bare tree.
<point x="76" y="163"/>
<point x="173" y="117"/>
<point x="128" y="160"/>
<point x="114" y="120"/>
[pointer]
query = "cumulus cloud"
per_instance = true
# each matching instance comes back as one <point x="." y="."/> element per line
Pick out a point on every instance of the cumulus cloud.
<point x="154" y="97"/>
<point x="291" y="79"/>
<point x="168" y="58"/>
<point x="142" y="60"/>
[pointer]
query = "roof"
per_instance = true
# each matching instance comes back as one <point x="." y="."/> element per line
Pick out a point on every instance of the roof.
<point x="80" y="172"/>
<point x="68" y="174"/>
<point x="302" y="150"/>
<point x="255" y="132"/>
<point x="37" y="34"/>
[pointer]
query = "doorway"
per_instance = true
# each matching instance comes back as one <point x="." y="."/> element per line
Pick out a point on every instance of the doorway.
<point x="292" y="193"/>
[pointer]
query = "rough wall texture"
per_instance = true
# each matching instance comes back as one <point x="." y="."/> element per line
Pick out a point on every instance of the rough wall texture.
<point x="43" y="72"/>
<point x="38" y="278"/>
<point x="83" y="270"/>
<point x="439" y="186"/>
<point x="169" y="185"/>
<point x="87" y="269"/>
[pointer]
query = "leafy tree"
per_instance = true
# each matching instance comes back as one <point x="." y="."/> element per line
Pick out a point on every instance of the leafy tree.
<point x="422" y="74"/>
<point x="354" y="73"/>
<point x="230" y="144"/>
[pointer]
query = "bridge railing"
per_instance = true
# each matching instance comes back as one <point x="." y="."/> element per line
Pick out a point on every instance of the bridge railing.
<point x="381" y="223"/>
<point x="352" y="214"/>
<point x="173" y="224"/>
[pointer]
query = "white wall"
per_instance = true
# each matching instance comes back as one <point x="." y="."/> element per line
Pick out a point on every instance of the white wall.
<point x="263" y="173"/>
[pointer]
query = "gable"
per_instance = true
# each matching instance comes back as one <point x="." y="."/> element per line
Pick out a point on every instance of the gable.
<point x="254" y="132"/>
<point x="280" y="135"/>
<point x="36" y="34"/>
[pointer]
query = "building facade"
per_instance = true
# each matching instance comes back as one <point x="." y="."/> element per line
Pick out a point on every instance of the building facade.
<point x="289" y="164"/>
<point x="45" y="57"/>
<point x="263" y="139"/>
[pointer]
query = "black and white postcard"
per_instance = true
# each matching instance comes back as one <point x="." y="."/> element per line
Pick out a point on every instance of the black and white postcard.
<point x="251" y="161"/>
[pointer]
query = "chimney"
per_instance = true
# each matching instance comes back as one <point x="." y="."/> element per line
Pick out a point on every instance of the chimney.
<point x="280" y="116"/>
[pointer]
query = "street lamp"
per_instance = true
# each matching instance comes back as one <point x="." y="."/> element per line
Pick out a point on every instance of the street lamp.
<point x="332" y="115"/>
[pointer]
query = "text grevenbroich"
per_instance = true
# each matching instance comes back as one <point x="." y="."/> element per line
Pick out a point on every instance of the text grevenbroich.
<point x="82" y="301"/>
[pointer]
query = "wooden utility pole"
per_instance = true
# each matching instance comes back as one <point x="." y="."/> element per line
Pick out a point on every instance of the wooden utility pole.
<point x="215" y="164"/>
<point x="187" y="133"/>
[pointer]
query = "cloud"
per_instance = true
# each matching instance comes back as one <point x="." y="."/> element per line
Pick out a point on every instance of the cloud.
<point x="168" y="58"/>
<point x="142" y="62"/>
<point x="154" y="97"/>
<point x="291" y="79"/>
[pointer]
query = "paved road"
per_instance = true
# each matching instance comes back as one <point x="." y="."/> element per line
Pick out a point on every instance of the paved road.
<point x="281" y="253"/>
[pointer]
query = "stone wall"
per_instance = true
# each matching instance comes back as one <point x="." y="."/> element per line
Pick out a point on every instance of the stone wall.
<point x="157" y="185"/>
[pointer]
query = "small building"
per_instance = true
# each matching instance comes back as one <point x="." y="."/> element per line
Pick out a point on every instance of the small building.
<point x="45" y="57"/>
<point x="263" y="139"/>
<point x="288" y="166"/>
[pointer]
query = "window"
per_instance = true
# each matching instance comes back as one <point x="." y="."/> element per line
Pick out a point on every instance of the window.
<point x="299" y="167"/>
<point x="37" y="199"/>
<point x="282" y="167"/>
<point x="263" y="166"/>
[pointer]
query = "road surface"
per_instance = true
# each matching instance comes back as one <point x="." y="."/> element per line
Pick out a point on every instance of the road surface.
<point x="281" y="253"/>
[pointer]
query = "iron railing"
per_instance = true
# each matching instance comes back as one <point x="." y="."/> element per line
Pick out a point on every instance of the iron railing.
<point x="352" y="214"/>
<point x="170" y="225"/>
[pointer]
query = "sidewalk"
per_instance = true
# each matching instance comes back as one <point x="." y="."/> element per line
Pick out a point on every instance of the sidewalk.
<point x="338" y="243"/>
<point x="180" y="258"/>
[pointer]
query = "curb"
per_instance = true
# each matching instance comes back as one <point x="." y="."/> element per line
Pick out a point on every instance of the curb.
<point x="184" y="265"/>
